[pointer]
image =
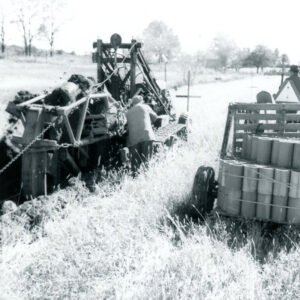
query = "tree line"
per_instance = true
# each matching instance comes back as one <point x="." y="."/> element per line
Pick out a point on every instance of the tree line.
<point x="161" y="43"/>
<point x="34" y="20"/>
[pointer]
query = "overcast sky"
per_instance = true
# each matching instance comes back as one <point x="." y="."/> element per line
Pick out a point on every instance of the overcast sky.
<point x="248" y="22"/>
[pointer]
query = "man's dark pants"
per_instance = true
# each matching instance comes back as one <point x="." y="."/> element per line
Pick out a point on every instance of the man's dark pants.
<point x="140" y="154"/>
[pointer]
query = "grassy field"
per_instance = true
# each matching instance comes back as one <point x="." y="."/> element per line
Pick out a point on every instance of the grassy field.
<point x="126" y="241"/>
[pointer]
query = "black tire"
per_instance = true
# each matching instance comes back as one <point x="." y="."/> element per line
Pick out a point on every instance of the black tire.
<point x="204" y="190"/>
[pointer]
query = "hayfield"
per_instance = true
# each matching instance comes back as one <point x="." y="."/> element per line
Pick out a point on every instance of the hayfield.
<point x="130" y="241"/>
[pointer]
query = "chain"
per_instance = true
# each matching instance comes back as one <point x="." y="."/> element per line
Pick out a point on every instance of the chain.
<point x="26" y="148"/>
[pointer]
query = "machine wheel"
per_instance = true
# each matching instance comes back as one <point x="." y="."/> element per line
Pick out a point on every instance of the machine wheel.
<point x="204" y="190"/>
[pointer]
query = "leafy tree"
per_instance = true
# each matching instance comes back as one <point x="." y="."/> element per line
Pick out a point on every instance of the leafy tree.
<point x="160" y="40"/>
<point x="239" y="57"/>
<point x="284" y="59"/>
<point x="223" y="48"/>
<point x="260" y="57"/>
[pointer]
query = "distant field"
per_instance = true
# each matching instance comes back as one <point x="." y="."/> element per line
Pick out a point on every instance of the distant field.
<point x="37" y="74"/>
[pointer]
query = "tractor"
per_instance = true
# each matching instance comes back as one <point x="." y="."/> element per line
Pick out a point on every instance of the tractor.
<point x="81" y="125"/>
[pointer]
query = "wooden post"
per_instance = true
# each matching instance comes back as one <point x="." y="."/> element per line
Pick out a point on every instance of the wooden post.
<point x="99" y="61"/>
<point x="133" y="55"/>
<point x="188" y="92"/>
<point x="226" y="133"/>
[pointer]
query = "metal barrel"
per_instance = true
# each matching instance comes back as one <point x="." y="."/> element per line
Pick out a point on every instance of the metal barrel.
<point x="249" y="190"/>
<point x="264" y="150"/>
<point x="275" y="151"/>
<point x="296" y="156"/>
<point x="293" y="212"/>
<point x="230" y="184"/>
<point x="285" y="153"/>
<point x="264" y="193"/>
<point x="254" y="144"/>
<point x="244" y="146"/>
<point x="248" y="147"/>
<point x="280" y="195"/>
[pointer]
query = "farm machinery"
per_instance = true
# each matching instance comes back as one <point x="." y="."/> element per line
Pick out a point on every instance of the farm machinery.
<point x="259" y="166"/>
<point x="81" y="125"/>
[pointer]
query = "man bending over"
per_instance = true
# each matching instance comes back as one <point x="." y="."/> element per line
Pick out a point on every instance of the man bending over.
<point x="140" y="133"/>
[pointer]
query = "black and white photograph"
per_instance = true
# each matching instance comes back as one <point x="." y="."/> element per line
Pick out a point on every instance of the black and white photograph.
<point x="149" y="150"/>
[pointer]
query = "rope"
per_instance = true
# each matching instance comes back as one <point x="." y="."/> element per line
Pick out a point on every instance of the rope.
<point x="267" y="178"/>
<point x="261" y="203"/>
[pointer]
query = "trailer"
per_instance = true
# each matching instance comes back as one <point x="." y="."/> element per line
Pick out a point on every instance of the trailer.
<point x="259" y="166"/>
<point x="86" y="127"/>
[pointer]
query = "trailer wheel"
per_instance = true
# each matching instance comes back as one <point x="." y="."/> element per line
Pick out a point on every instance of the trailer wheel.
<point x="204" y="190"/>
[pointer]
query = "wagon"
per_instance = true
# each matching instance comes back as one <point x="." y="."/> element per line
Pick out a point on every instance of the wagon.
<point x="259" y="166"/>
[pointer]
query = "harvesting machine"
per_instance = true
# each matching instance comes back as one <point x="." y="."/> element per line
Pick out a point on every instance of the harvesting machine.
<point x="81" y="125"/>
<point x="259" y="166"/>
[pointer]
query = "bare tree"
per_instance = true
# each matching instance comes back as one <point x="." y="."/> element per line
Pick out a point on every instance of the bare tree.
<point x="52" y="21"/>
<point x="28" y="18"/>
<point x="4" y="12"/>
<point x="2" y="33"/>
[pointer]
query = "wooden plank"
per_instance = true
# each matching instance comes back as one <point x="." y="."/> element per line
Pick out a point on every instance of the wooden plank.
<point x="133" y="69"/>
<point x="258" y="117"/>
<point x="255" y="106"/>
<point x="122" y="46"/>
<point x="267" y="106"/>
<point x="34" y="174"/>
<point x="272" y="134"/>
<point x="226" y="132"/>
<point x="34" y="124"/>
<point x="253" y="127"/>
<point x="292" y="126"/>
<point x="162" y="133"/>
<point x="119" y="60"/>
<point x="99" y="61"/>
<point x="292" y="117"/>
<point x="292" y="134"/>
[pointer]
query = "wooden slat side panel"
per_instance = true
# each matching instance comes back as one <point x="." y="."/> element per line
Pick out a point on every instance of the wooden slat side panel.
<point x="260" y="117"/>
<point x="255" y="106"/>
<point x="253" y="127"/>
<point x="292" y="126"/>
<point x="292" y="117"/>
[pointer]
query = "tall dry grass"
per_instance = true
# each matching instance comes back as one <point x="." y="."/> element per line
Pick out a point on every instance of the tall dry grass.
<point x="124" y="241"/>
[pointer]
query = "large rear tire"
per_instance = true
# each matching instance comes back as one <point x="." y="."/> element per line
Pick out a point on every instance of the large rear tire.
<point x="204" y="190"/>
